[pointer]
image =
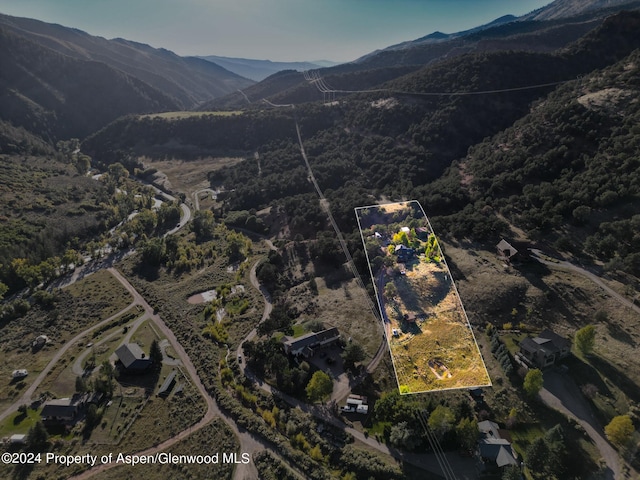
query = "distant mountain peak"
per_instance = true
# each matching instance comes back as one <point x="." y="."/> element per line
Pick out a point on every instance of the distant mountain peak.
<point x="437" y="34"/>
<point x="571" y="8"/>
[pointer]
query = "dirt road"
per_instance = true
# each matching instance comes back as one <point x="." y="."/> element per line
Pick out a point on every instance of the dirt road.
<point x="247" y="442"/>
<point x="564" y="265"/>
<point x="26" y="399"/>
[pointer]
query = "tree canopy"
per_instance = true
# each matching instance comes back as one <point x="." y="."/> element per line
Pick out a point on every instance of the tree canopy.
<point x="619" y="430"/>
<point x="533" y="382"/>
<point x="585" y="339"/>
<point x="319" y="387"/>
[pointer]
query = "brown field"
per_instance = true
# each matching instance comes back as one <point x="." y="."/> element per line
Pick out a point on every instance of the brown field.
<point x="189" y="176"/>
<point x="438" y="350"/>
<point x="346" y="307"/>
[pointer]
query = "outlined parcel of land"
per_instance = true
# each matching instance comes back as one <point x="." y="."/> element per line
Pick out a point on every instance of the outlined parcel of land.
<point x="431" y="342"/>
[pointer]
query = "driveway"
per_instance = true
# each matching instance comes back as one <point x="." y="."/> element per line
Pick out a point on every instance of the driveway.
<point x="561" y="393"/>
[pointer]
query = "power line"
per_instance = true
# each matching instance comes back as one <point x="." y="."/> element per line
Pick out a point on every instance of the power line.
<point x="315" y="78"/>
<point x="445" y="466"/>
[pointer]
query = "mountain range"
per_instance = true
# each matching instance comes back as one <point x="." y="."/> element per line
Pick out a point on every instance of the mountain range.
<point x="58" y="80"/>
<point x="64" y="82"/>
<point x="524" y="128"/>
<point x="260" y="69"/>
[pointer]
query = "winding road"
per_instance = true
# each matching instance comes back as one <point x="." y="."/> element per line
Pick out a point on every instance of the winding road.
<point x="464" y="467"/>
<point x="26" y="399"/>
<point x="564" y="265"/>
<point x="560" y="391"/>
<point x="248" y="443"/>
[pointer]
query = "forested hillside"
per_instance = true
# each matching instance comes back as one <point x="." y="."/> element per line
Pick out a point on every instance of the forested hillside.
<point x="57" y="97"/>
<point x="527" y="131"/>
<point x="398" y="141"/>
<point x="400" y="145"/>
<point x="382" y="66"/>
<point x="188" y="81"/>
<point x="571" y="167"/>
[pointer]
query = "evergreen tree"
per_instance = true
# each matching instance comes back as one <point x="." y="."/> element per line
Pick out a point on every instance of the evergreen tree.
<point x="38" y="438"/>
<point x="536" y="457"/>
<point x="155" y="354"/>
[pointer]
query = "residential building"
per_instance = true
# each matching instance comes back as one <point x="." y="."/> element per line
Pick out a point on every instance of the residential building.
<point x="306" y="345"/>
<point x="545" y="349"/>
<point x="63" y="410"/>
<point x="131" y="359"/>
<point x="404" y="253"/>
<point x="494" y="452"/>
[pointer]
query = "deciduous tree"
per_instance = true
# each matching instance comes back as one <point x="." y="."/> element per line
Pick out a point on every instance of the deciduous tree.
<point x="533" y="382"/>
<point x="585" y="339"/>
<point x="404" y="436"/>
<point x="619" y="430"/>
<point x="467" y="433"/>
<point x="441" y="420"/>
<point x="319" y="386"/>
<point x="203" y="224"/>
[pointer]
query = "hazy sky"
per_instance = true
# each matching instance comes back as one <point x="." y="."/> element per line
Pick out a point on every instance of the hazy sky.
<point x="284" y="30"/>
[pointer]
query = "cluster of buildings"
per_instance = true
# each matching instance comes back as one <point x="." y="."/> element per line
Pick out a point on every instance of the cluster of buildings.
<point x="131" y="360"/>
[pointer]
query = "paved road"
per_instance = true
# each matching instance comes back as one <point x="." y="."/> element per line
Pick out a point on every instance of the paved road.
<point x="561" y="393"/>
<point x="564" y="265"/>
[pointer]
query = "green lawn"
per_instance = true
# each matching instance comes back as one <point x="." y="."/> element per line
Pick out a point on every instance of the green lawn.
<point x="19" y="423"/>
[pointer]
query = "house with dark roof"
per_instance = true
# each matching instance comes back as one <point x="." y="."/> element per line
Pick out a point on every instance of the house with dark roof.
<point x="545" y="349"/>
<point x="63" y="410"/>
<point x="131" y="359"/>
<point x="306" y="345"/>
<point x="404" y="253"/>
<point x="494" y="452"/>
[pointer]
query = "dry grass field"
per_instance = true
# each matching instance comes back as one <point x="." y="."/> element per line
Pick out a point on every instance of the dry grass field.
<point x="189" y="114"/>
<point x="347" y="308"/>
<point x="214" y="438"/>
<point x="188" y="176"/>
<point x="78" y="307"/>
<point x="436" y="350"/>
<point x="431" y="342"/>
